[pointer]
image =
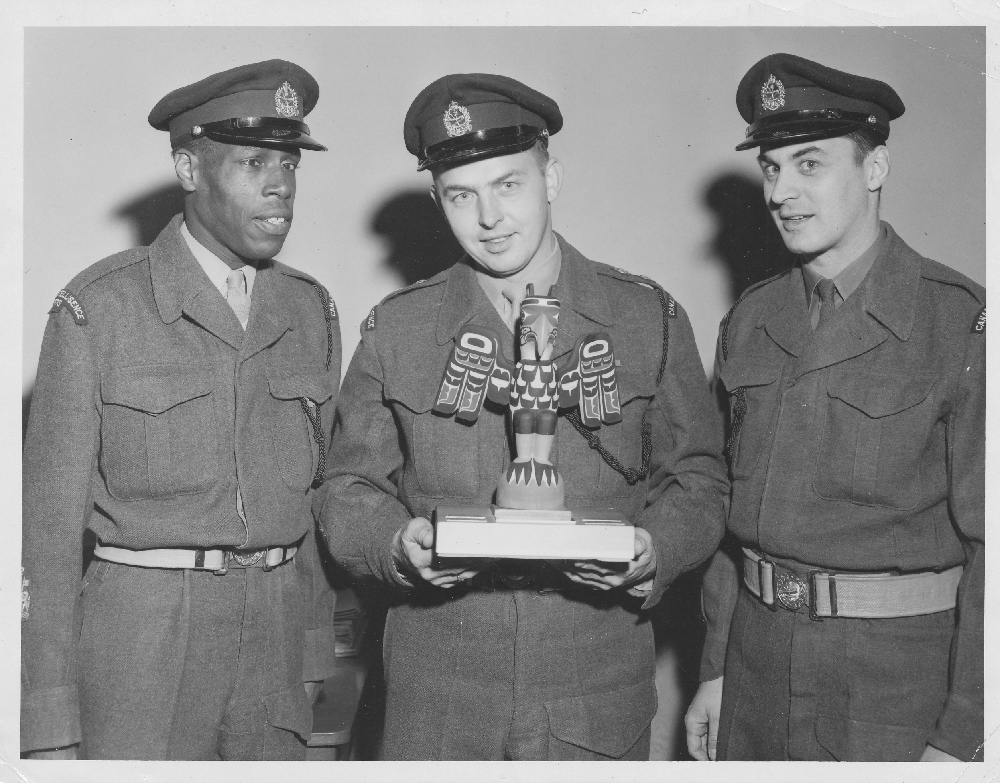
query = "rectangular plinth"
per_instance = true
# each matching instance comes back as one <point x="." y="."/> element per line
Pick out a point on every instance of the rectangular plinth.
<point x="589" y="534"/>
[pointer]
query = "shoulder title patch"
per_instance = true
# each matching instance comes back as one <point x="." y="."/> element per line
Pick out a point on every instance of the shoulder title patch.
<point x="370" y="321"/>
<point x="66" y="298"/>
<point x="979" y="325"/>
<point x="671" y="306"/>
<point x="331" y="306"/>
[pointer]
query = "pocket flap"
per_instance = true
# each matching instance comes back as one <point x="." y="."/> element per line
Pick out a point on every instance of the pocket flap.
<point x="607" y="723"/>
<point x="416" y="390"/>
<point x="633" y="384"/>
<point x="880" y="394"/>
<point x="290" y="710"/>
<point x="155" y="388"/>
<point x="292" y="383"/>
<point x="747" y="371"/>
<point x="857" y="740"/>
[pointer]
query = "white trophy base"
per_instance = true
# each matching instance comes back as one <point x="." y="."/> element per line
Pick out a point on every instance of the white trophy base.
<point x="491" y="532"/>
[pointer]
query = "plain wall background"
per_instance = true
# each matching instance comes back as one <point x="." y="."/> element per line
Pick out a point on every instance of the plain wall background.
<point x="652" y="184"/>
<point x="652" y="181"/>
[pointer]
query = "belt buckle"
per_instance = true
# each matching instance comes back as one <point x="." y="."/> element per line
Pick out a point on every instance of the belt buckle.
<point x="515" y="581"/>
<point x="248" y="559"/>
<point x="791" y="591"/>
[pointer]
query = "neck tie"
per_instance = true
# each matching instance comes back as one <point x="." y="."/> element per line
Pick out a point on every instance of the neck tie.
<point x="514" y="294"/>
<point x="826" y="303"/>
<point x="236" y="295"/>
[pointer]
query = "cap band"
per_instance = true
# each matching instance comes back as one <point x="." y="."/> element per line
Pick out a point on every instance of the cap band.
<point x="461" y="120"/>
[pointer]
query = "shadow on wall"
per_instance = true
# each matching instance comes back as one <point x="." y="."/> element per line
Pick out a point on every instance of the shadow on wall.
<point x="746" y="239"/>
<point x="148" y="213"/>
<point x="420" y="242"/>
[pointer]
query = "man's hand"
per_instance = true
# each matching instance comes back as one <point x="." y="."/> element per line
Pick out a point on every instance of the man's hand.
<point x="606" y="576"/>
<point x="70" y="752"/>
<point x="933" y="754"/>
<point x="702" y="720"/>
<point x="413" y="550"/>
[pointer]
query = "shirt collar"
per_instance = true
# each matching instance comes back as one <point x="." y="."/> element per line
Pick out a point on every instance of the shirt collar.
<point x="216" y="269"/>
<point x="542" y="274"/>
<point x="851" y="276"/>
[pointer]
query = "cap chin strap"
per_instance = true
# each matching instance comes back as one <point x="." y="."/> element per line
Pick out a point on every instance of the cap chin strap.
<point x="255" y="130"/>
<point x="482" y="144"/>
<point x="791" y="127"/>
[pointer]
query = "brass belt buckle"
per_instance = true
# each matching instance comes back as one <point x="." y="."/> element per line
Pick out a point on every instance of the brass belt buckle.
<point x="248" y="559"/>
<point x="791" y="591"/>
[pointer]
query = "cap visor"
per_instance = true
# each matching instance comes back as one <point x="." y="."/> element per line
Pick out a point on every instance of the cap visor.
<point x="266" y="137"/>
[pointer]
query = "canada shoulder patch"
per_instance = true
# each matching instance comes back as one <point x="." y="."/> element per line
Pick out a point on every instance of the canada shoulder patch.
<point x="979" y="325"/>
<point x="65" y="298"/>
<point x="370" y="321"/>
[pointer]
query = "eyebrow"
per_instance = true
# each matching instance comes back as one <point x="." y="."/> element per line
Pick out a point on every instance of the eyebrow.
<point x="497" y="181"/>
<point x="811" y="150"/>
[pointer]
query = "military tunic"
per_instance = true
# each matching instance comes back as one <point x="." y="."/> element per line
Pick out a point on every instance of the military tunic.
<point x="549" y="671"/>
<point x="857" y="448"/>
<point x="150" y="404"/>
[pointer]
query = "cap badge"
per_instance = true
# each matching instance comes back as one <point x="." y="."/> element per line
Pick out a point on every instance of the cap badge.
<point x="286" y="101"/>
<point x="457" y="120"/>
<point x="772" y="94"/>
<point x="871" y="119"/>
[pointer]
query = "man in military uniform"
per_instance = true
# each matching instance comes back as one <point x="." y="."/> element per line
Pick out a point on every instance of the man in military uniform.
<point x="182" y="409"/>
<point x="856" y="382"/>
<point x="517" y="660"/>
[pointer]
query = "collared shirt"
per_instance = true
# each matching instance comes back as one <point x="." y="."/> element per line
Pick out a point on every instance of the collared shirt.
<point x="846" y="282"/>
<point x="216" y="269"/>
<point x="506" y="293"/>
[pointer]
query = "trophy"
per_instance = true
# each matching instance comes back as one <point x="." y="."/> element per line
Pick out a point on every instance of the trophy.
<point x="529" y="519"/>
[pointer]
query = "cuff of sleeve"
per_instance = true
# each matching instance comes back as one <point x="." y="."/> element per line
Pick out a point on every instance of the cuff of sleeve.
<point x="50" y="718"/>
<point x="319" y="658"/>
<point x="959" y="730"/>
<point x="667" y="570"/>
<point x="385" y="548"/>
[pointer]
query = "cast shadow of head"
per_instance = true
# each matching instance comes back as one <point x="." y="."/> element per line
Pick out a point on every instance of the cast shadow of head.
<point x="147" y="213"/>
<point x="420" y="243"/>
<point x="746" y="240"/>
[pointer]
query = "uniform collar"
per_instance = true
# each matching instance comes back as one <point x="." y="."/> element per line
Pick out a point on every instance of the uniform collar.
<point x="892" y="285"/>
<point x="213" y="266"/>
<point x="578" y="289"/>
<point x="851" y="276"/>
<point x="180" y="285"/>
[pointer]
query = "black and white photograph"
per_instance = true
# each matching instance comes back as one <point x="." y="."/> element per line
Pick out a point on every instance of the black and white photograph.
<point x="432" y="384"/>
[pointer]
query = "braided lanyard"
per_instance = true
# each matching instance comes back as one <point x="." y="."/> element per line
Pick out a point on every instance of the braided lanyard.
<point x="631" y="475"/>
<point x="309" y="407"/>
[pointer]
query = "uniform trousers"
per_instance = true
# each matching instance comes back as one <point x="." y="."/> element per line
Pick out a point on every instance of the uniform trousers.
<point x="496" y="676"/>
<point x="183" y="664"/>
<point x="837" y="689"/>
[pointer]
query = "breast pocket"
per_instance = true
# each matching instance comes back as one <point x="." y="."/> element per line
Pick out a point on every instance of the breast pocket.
<point x="752" y="388"/>
<point x="623" y="440"/>
<point x="877" y="426"/>
<point x="296" y="399"/>
<point x="158" y="432"/>
<point x="441" y="452"/>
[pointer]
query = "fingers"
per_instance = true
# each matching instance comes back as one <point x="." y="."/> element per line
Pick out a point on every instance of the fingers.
<point x="695" y="731"/>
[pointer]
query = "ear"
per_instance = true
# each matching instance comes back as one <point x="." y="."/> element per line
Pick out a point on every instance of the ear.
<point x="186" y="168"/>
<point x="433" y="193"/>
<point x="878" y="168"/>
<point x="553" y="178"/>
